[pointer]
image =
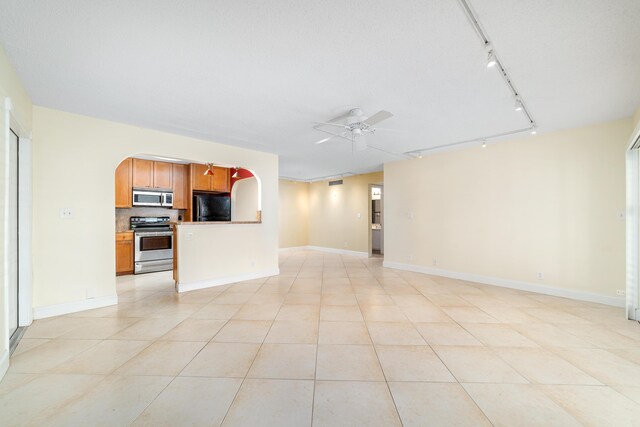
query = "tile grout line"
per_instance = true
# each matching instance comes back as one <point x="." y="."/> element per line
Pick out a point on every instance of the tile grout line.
<point x="384" y="374"/>
<point x="255" y="356"/>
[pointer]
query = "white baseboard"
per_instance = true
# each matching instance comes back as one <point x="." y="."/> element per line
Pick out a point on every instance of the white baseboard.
<point x="74" y="307"/>
<point x="203" y="284"/>
<point x="512" y="284"/>
<point x="4" y="363"/>
<point x="294" y="248"/>
<point x="328" y="250"/>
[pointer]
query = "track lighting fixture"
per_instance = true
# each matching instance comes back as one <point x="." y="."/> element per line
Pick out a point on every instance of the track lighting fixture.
<point x="420" y="155"/>
<point x="209" y="170"/>
<point x="518" y="104"/>
<point x="491" y="59"/>
<point x="484" y="143"/>
<point x="533" y="129"/>
<point x="236" y="174"/>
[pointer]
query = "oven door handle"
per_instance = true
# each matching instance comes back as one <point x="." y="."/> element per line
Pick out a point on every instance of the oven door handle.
<point x="154" y="234"/>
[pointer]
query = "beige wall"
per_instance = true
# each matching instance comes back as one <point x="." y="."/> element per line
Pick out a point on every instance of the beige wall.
<point x="74" y="162"/>
<point x="20" y="120"/>
<point x="294" y="213"/>
<point x="333" y="213"/>
<point x="636" y="118"/>
<point x="548" y="204"/>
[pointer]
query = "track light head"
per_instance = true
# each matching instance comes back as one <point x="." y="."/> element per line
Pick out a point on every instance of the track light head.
<point x="518" y="104"/>
<point x="533" y="129"/>
<point x="484" y="143"/>
<point x="491" y="59"/>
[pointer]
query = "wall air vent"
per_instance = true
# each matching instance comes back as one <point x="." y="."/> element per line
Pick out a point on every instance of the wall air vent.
<point x="336" y="182"/>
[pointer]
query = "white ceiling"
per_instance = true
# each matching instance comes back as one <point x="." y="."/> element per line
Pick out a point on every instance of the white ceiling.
<point x="258" y="74"/>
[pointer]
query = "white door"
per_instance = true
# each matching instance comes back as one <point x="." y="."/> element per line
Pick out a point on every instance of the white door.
<point x="13" y="233"/>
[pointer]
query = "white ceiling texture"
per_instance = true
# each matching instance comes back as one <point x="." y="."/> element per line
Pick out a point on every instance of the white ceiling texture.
<point x="258" y="74"/>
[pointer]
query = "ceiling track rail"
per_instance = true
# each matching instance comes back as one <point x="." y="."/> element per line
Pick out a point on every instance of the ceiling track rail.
<point x="484" y="38"/>
<point x="484" y="139"/>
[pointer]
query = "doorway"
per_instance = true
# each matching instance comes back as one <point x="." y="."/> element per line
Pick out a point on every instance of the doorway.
<point x="376" y="225"/>
<point x="12" y="239"/>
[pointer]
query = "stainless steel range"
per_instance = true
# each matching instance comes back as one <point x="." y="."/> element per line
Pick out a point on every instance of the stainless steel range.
<point x="153" y="244"/>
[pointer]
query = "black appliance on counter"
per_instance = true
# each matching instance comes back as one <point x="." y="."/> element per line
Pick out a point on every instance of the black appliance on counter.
<point x="211" y="207"/>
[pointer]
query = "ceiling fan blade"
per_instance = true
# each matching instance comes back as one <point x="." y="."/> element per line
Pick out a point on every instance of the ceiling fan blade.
<point x="391" y="130"/>
<point x="378" y="117"/>
<point x="326" y="139"/>
<point x="330" y="124"/>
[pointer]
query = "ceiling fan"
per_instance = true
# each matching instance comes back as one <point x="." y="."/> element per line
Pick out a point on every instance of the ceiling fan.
<point x="355" y="125"/>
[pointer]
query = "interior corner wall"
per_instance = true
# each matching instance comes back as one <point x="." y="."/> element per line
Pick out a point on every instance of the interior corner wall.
<point x="18" y="116"/>
<point x="75" y="158"/>
<point x="551" y="204"/>
<point x="293" y="213"/>
<point x="339" y="214"/>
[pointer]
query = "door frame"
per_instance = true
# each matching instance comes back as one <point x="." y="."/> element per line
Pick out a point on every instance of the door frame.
<point x="633" y="227"/>
<point x="25" y="191"/>
<point x="370" y="219"/>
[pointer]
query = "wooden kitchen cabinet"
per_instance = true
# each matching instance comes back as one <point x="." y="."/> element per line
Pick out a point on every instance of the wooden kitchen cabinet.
<point x="180" y="186"/>
<point x="142" y="173"/>
<point x="162" y="175"/>
<point x="200" y="181"/>
<point x="124" y="184"/>
<point x="124" y="253"/>
<point x="150" y="174"/>
<point x="218" y="182"/>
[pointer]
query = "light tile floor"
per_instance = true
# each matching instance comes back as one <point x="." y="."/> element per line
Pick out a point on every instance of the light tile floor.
<point x="333" y="340"/>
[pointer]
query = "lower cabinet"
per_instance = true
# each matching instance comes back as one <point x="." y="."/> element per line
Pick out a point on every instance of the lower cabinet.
<point x="124" y="253"/>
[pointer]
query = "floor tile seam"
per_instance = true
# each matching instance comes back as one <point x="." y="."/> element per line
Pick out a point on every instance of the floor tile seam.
<point x="251" y="365"/>
<point x="384" y="375"/>
<point x="315" y="367"/>
<point x="67" y="358"/>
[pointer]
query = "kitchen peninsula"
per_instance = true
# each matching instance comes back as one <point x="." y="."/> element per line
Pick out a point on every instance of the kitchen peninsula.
<point x="209" y="254"/>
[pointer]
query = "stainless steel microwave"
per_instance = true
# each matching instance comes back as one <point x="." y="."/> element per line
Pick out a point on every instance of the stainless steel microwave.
<point x="153" y="198"/>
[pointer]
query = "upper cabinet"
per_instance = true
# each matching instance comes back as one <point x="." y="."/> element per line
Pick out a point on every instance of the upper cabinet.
<point x="150" y="174"/>
<point x="180" y="176"/>
<point x="218" y="182"/>
<point x="123" y="184"/>
<point x="162" y="175"/>
<point x="200" y="181"/>
<point x="142" y="173"/>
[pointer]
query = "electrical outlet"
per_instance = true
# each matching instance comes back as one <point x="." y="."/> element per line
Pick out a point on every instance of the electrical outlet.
<point x="189" y="236"/>
<point x="435" y="261"/>
<point x="253" y="263"/>
<point x="346" y="244"/>
<point x="410" y="257"/>
<point x="66" y="213"/>
<point x="620" y="292"/>
<point x="540" y="275"/>
<point x="358" y="215"/>
<point x="410" y="215"/>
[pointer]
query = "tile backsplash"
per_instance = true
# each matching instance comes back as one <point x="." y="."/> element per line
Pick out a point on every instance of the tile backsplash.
<point x="123" y="215"/>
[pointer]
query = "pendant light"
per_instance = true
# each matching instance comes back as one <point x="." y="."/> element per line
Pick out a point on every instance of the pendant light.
<point x="209" y="170"/>
<point x="236" y="174"/>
